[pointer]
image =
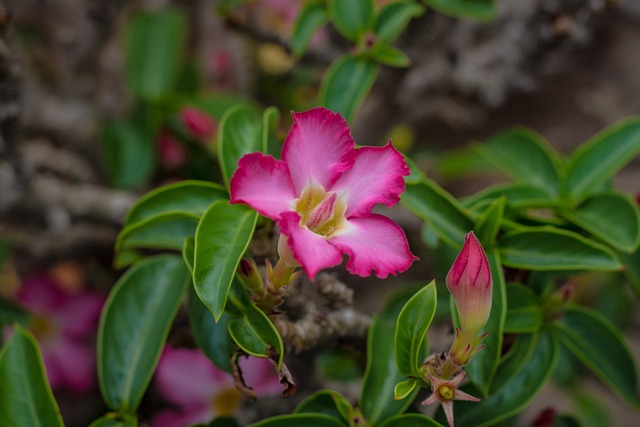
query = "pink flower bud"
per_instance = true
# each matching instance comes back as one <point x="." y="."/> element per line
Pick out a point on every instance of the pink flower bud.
<point x="172" y="152"/>
<point x="469" y="281"/>
<point x="199" y="124"/>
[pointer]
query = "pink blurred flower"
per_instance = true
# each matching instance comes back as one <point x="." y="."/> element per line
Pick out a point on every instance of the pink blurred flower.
<point x="172" y="152"/>
<point x="321" y="195"/>
<point x="470" y="283"/>
<point x="64" y="324"/>
<point x="198" y="123"/>
<point x="446" y="392"/>
<point x="200" y="391"/>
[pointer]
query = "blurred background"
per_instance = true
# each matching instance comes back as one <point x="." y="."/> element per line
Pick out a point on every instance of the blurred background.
<point x="104" y="100"/>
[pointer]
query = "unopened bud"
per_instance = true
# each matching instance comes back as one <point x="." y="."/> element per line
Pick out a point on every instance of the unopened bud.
<point x="250" y="277"/>
<point x="199" y="124"/>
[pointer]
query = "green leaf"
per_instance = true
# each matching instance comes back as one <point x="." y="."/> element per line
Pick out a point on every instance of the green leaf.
<point x="115" y="420"/>
<point x="411" y="420"/>
<point x="297" y="420"/>
<point x="404" y="388"/>
<point x="483" y="366"/>
<point x="611" y="217"/>
<point x="523" y="314"/>
<point x="515" y="360"/>
<point x="520" y="388"/>
<point x="413" y="322"/>
<point x="153" y="49"/>
<point x="518" y="196"/>
<point x="548" y="248"/>
<point x="222" y="237"/>
<point x="255" y="334"/>
<point x="488" y="224"/>
<point x="394" y="17"/>
<point x="339" y="365"/>
<point x="474" y="9"/>
<point x="211" y="337"/>
<point x="601" y="157"/>
<point x="381" y="375"/>
<point x="346" y="84"/>
<point x="162" y="231"/>
<point x="312" y="16"/>
<point x="351" y="18"/>
<point x="129" y="338"/>
<point x="439" y="209"/>
<point x="129" y="155"/>
<point x="524" y="156"/>
<point x="240" y="133"/>
<point x="327" y="402"/>
<point x="192" y="197"/>
<point x="601" y="347"/>
<point x="270" y="120"/>
<point x="27" y="399"/>
<point x="632" y="269"/>
<point x="389" y="55"/>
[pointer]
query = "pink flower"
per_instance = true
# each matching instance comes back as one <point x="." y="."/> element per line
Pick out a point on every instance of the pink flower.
<point x="172" y="152"/>
<point x="470" y="283"/>
<point x="446" y="392"/>
<point x="321" y="195"/>
<point x="64" y="325"/>
<point x="199" y="124"/>
<point x="201" y="391"/>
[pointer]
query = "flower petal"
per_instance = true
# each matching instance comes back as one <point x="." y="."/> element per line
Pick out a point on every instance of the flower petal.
<point x="187" y="378"/>
<point x="171" y="418"/>
<point x="311" y="250"/>
<point x="263" y="183"/>
<point x="260" y="375"/>
<point x="374" y="243"/>
<point x="318" y="148"/>
<point x="448" y="411"/>
<point x="376" y="177"/>
<point x="81" y="314"/>
<point x="74" y="365"/>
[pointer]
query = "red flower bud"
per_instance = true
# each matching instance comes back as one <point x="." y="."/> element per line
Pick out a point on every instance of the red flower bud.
<point x="198" y="123"/>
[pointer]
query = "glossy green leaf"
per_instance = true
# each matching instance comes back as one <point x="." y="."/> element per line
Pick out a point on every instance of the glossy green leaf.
<point x="129" y="155"/>
<point x="548" y="248"/>
<point x="474" y="9"/>
<point x="297" y="420"/>
<point x="162" y="231"/>
<point x="601" y="347"/>
<point x="404" y="388"/>
<point x="525" y="156"/>
<point x="394" y="17"/>
<point x="515" y="360"/>
<point x="389" y="55"/>
<point x="518" y="196"/>
<point x="129" y="339"/>
<point x="115" y="420"/>
<point x="381" y="375"/>
<point x="240" y="133"/>
<point x="27" y="399"/>
<point x="521" y="387"/>
<point x="192" y="197"/>
<point x="411" y="420"/>
<point x="312" y="16"/>
<point x="411" y="328"/>
<point x="482" y="367"/>
<point x="351" y="18"/>
<point x="189" y="252"/>
<point x="611" y="217"/>
<point x="211" y="337"/>
<point x="439" y="209"/>
<point x="346" y="84"/>
<point x="125" y="258"/>
<point x="488" y="224"/>
<point x="327" y="402"/>
<point x="632" y="269"/>
<point x="523" y="314"/>
<point x="255" y="334"/>
<point x="601" y="157"/>
<point x="153" y="48"/>
<point x="222" y="237"/>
